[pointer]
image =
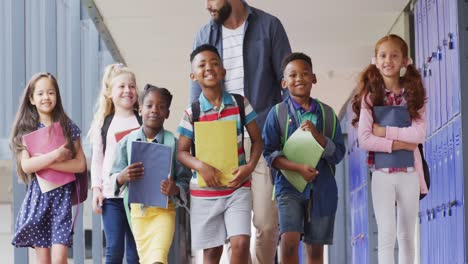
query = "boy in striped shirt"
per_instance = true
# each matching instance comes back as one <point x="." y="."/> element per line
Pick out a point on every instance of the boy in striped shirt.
<point x="218" y="213"/>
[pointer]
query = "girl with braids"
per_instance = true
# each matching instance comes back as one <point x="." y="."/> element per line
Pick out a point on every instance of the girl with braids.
<point x="117" y="110"/>
<point x="45" y="219"/>
<point x="391" y="79"/>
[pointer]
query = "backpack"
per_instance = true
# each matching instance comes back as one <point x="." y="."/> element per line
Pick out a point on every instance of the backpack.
<point x="196" y="115"/>
<point x="427" y="176"/>
<point x="169" y="140"/>
<point x="329" y="120"/>
<point x="106" y="124"/>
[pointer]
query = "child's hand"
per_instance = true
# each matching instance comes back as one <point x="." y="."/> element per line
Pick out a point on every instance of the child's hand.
<point x="63" y="153"/>
<point x="98" y="199"/>
<point x="379" y="131"/>
<point x="309" y="126"/>
<point x="309" y="173"/>
<point x="132" y="172"/>
<point x="211" y="175"/>
<point x="168" y="187"/>
<point x="240" y="174"/>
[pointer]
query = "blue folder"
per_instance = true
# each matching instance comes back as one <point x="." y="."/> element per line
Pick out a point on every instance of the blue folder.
<point x="157" y="160"/>
<point x="396" y="116"/>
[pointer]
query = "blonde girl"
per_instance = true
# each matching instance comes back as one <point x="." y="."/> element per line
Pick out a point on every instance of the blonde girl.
<point x="117" y="110"/>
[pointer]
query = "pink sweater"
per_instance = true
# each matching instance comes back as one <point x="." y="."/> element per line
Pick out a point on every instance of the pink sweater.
<point x="416" y="134"/>
<point x="101" y="163"/>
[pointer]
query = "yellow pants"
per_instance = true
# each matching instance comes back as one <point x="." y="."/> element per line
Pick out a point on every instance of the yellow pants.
<point x="153" y="229"/>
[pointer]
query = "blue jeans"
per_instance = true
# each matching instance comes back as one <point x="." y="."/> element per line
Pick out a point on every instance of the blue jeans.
<point x="295" y="215"/>
<point x="118" y="233"/>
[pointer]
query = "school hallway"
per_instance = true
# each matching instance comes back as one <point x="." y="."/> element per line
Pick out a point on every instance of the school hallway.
<point x="75" y="39"/>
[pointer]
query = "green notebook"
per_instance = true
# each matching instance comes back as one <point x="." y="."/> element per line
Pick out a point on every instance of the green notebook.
<point x="301" y="147"/>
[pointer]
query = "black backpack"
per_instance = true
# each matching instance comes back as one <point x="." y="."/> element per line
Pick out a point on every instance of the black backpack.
<point x="106" y="124"/>
<point x="427" y="176"/>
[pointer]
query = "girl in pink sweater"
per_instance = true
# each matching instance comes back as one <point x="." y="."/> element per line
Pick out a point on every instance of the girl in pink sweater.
<point x="391" y="79"/>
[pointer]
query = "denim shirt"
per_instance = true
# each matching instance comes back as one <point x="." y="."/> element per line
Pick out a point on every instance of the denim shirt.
<point x="324" y="190"/>
<point x="265" y="45"/>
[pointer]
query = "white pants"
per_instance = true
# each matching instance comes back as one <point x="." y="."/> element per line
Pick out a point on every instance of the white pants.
<point x="402" y="188"/>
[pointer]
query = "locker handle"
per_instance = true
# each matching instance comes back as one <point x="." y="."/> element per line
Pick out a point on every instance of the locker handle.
<point x="428" y="213"/>
<point x="450" y="43"/>
<point x="450" y="205"/>
<point x="439" y="53"/>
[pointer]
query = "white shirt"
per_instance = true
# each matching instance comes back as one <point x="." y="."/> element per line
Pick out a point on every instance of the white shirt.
<point x="233" y="59"/>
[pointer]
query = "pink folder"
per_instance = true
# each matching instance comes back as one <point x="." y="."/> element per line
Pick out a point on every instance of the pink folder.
<point x="42" y="141"/>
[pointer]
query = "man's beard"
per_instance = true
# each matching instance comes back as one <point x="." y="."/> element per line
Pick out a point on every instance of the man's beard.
<point x="223" y="13"/>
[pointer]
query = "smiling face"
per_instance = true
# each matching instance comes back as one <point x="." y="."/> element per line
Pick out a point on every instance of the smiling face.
<point x="298" y="78"/>
<point x="154" y="110"/>
<point x="44" y="96"/>
<point x="207" y="69"/>
<point x="390" y="59"/>
<point x="123" y="92"/>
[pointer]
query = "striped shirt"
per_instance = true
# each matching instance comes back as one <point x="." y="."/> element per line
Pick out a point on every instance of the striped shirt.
<point x="233" y="59"/>
<point x="228" y="110"/>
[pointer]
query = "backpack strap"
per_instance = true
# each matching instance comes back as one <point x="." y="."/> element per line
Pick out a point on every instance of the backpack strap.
<point x="329" y="120"/>
<point x="195" y="117"/>
<point x="329" y="126"/>
<point x="240" y="104"/>
<point x="282" y="115"/>
<point x="169" y="140"/>
<point x="106" y="125"/>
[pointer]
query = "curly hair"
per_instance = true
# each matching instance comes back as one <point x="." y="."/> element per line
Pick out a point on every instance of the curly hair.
<point x="371" y="84"/>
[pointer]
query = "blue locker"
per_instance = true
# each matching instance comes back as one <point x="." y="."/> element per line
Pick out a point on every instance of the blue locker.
<point x="424" y="52"/>
<point x="441" y="59"/>
<point x="460" y="232"/>
<point x="451" y="198"/>
<point x="453" y="40"/>
<point x="446" y="57"/>
<point x="433" y="63"/>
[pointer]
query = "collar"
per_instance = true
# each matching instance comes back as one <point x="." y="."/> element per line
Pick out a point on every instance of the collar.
<point x="142" y="137"/>
<point x="387" y="92"/>
<point x="297" y="106"/>
<point x="206" y="106"/>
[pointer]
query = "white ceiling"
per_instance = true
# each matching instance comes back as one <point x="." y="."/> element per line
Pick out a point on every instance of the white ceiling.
<point x="155" y="38"/>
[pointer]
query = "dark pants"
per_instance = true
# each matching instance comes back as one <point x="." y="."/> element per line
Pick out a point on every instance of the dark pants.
<point x="118" y="233"/>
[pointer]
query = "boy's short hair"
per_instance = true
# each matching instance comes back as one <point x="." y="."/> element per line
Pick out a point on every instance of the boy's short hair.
<point x="295" y="56"/>
<point x="204" y="47"/>
<point x="162" y="91"/>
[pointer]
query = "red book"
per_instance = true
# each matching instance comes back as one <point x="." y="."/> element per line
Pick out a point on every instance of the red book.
<point x="122" y="134"/>
<point x="43" y="141"/>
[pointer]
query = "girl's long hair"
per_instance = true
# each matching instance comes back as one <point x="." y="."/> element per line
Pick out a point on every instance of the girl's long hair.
<point x="27" y="119"/>
<point x="371" y="84"/>
<point x="104" y="105"/>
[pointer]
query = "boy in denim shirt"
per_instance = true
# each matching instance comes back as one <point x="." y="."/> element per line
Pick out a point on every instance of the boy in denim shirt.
<point x="311" y="213"/>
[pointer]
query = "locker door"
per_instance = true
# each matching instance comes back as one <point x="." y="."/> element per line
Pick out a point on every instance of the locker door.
<point x="441" y="59"/>
<point x="451" y="206"/>
<point x="453" y="44"/>
<point x="426" y="69"/>
<point x="460" y="232"/>
<point x="431" y="54"/>
<point x="446" y="57"/>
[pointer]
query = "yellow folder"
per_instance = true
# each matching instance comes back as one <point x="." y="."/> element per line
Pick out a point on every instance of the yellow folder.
<point x="216" y="145"/>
